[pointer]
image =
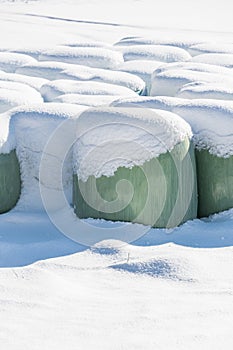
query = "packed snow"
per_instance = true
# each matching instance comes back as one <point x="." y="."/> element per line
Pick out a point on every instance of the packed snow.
<point x="169" y="289"/>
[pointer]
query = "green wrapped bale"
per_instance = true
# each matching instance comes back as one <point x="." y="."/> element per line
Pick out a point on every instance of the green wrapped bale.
<point x="212" y="126"/>
<point x="215" y="183"/>
<point x="10" y="183"/>
<point x="160" y="192"/>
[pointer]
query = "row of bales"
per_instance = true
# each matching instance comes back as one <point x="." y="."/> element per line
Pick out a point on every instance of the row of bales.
<point x="158" y="160"/>
<point x="144" y="165"/>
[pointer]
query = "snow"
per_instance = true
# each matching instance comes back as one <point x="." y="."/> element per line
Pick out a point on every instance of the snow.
<point x="33" y="82"/>
<point x="221" y="59"/>
<point x="154" y="52"/>
<point x="210" y="48"/>
<point x="89" y="56"/>
<point x="29" y="130"/>
<point x="87" y="100"/>
<point x="109" y="138"/>
<point x="55" y="88"/>
<point x="9" y="62"/>
<point x="206" y="91"/>
<point x="171" y="289"/>
<point x="169" y="82"/>
<point x="141" y="68"/>
<point x="210" y="119"/>
<point x="184" y="43"/>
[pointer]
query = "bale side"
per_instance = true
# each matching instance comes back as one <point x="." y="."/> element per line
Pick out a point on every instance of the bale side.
<point x="215" y="183"/>
<point x="172" y="198"/>
<point x="10" y="183"/>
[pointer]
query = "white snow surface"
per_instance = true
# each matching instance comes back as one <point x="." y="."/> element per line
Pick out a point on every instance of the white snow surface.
<point x="10" y="61"/>
<point x="56" y="88"/>
<point x="171" y="289"/>
<point x="161" y="53"/>
<point x="109" y="138"/>
<point x="87" y="100"/>
<point x="209" y="47"/>
<point x="89" y="56"/>
<point x="221" y="59"/>
<point x="59" y="70"/>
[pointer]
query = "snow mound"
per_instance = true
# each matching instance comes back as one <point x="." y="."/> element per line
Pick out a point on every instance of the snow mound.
<point x="10" y="61"/>
<point x="221" y="59"/>
<point x="206" y="91"/>
<point x="47" y="70"/>
<point x="158" y="102"/>
<point x="209" y="47"/>
<point x="105" y="76"/>
<point x="87" y="43"/>
<point x="33" y="82"/>
<point x="55" y="88"/>
<point x="161" y="53"/>
<point x="169" y="82"/>
<point x="142" y="68"/>
<point x="89" y="56"/>
<point x="28" y="92"/>
<point x="110" y="137"/>
<point x="182" y="43"/>
<point x="196" y="67"/>
<point x="87" y="100"/>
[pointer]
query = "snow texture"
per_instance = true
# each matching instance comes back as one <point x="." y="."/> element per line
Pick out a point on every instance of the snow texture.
<point x="56" y="88"/>
<point x="161" y="53"/>
<point x="221" y="59"/>
<point x="89" y="56"/>
<point x="10" y="61"/>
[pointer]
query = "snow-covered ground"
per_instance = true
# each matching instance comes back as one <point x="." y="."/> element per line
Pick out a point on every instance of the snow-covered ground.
<point x="170" y="289"/>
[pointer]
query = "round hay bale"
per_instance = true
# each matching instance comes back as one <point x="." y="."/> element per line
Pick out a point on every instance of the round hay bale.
<point x="134" y="165"/>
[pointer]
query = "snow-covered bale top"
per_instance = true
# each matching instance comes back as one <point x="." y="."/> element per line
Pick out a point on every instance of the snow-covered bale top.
<point x="87" y="100"/>
<point x="56" y="88"/>
<point x="206" y="91"/>
<point x="18" y="92"/>
<point x="211" y="120"/>
<point x="89" y="56"/>
<point x="161" y="53"/>
<point x="137" y="40"/>
<point x="221" y="59"/>
<point x="196" y="67"/>
<point x="209" y="47"/>
<point x="169" y="82"/>
<point x="33" y="82"/>
<point x="48" y="70"/>
<point x="58" y="70"/>
<point x="141" y="68"/>
<point x="110" y="137"/>
<point x="10" y="61"/>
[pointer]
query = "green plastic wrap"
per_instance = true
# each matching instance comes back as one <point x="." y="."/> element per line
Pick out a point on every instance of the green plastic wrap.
<point x="10" y="183"/>
<point x="164" y="191"/>
<point x="215" y="183"/>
